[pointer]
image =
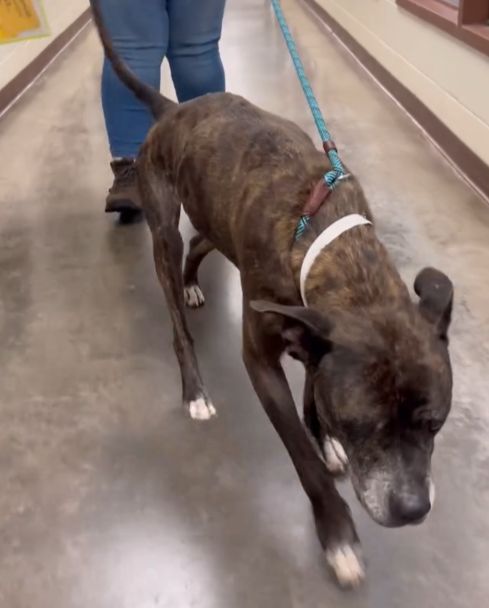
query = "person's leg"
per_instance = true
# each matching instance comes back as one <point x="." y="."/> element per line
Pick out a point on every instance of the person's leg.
<point x="140" y="36"/>
<point x="193" y="52"/>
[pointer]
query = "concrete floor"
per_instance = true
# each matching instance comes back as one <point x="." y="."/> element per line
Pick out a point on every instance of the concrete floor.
<point x="109" y="496"/>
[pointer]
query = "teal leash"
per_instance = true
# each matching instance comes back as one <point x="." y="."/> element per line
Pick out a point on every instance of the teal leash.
<point x="337" y="172"/>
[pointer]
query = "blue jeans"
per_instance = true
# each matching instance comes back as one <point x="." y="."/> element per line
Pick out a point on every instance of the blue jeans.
<point x="144" y="32"/>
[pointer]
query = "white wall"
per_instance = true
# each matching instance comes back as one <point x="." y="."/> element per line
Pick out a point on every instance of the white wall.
<point x="16" y="56"/>
<point x="448" y="76"/>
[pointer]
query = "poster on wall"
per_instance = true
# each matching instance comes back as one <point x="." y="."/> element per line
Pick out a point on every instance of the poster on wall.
<point x="22" y="20"/>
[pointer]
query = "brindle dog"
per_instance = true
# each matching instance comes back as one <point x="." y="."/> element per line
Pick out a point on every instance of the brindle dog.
<point x="378" y="376"/>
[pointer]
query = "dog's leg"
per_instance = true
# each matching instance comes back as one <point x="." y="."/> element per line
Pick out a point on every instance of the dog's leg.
<point x="330" y="448"/>
<point x="199" y="248"/>
<point x="334" y="524"/>
<point x="311" y="419"/>
<point x="162" y="211"/>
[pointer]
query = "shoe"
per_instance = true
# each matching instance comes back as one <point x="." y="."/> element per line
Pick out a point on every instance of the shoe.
<point x="123" y="196"/>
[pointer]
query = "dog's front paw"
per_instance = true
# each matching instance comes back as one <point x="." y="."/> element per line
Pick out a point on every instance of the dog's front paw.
<point x="193" y="296"/>
<point x="339" y="539"/>
<point x="335" y="456"/>
<point x="347" y="565"/>
<point x="201" y="409"/>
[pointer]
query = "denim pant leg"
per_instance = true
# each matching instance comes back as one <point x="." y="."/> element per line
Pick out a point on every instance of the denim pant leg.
<point x="193" y="53"/>
<point x="139" y="32"/>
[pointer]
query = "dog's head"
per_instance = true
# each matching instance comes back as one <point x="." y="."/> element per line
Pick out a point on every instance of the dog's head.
<point x="383" y="388"/>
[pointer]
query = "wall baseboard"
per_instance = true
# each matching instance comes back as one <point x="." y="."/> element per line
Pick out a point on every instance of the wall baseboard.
<point x="14" y="89"/>
<point x="473" y="167"/>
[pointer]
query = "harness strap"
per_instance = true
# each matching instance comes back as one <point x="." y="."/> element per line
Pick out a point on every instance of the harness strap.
<point x="327" y="236"/>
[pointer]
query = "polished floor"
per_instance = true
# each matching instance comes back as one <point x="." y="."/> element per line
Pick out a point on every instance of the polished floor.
<point x="110" y="497"/>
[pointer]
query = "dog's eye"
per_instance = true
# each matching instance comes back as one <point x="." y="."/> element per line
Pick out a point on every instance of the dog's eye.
<point x="434" y="426"/>
<point x="425" y="423"/>
<point x="430" y="425"/>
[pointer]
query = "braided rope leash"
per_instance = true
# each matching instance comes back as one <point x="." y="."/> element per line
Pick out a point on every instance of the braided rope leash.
<point x="337" y="172"/>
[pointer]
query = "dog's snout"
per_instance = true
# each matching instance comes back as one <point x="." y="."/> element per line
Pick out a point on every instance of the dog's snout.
<point x="410" y="508"/>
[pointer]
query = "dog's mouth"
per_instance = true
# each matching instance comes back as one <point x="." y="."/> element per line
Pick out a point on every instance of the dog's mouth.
<point x="385" y="507"/>
<point x="375" y="512"/>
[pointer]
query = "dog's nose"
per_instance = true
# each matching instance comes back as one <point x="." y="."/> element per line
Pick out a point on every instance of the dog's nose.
<point x="411" y="508"/>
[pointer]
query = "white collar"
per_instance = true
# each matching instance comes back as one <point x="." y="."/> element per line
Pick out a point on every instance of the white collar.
<point x="327" y="236"/>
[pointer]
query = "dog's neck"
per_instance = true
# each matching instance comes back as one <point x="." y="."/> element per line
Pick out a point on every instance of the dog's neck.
<point x="354" y="271"/>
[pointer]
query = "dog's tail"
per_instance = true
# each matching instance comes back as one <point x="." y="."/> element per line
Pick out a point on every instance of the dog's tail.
<point x="152" y="98"/>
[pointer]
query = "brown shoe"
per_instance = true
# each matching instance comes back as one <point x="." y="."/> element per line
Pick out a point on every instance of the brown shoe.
<point x="123" y="196"/>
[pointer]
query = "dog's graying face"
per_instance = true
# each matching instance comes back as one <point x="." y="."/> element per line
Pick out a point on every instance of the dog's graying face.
<point x="383" y="388"/>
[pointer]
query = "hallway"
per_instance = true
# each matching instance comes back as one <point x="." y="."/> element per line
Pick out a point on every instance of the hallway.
<point x="109" y="496"/>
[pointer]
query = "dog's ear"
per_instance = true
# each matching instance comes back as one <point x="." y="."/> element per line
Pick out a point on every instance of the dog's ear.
<point x="435" y="291"/>
<point x="306" y="332"/>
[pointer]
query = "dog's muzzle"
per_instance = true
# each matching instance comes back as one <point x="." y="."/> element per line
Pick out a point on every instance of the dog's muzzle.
<point x="395" y="508"/>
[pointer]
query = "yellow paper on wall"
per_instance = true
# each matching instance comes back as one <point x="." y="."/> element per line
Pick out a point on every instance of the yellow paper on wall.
<point x="21" y="20"/>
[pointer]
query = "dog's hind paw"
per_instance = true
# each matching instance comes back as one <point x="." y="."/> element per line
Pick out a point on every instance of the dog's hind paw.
<point x="347" y="565"/>
<point x="201" y="409"/>
<point x="193" y="296"/>
<point x="335" y="456"/>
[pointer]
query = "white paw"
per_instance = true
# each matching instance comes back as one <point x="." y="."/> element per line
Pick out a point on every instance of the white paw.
<point x="347" y="565"/>
<point x="193" y="296"/>
<point x="200" y="409"/>
<point x="336" y="458"/>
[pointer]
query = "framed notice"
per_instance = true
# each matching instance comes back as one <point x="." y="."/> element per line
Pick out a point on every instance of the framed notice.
<point x="21" y="20"/>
